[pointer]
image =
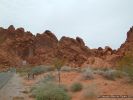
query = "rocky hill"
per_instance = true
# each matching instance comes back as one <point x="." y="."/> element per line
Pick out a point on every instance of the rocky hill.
<point x="18" y="47"/>
<point x="127" y="46"/>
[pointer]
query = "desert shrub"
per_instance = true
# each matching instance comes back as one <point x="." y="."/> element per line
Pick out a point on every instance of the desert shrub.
<point x="99" y="72"/>
<point x="51" y="78"/>
<point x="50" y="91"/>
<point x="129" y="73"/>
<point x="105" y="68"/>
<point x="87" y="73"/>
<point x="90" y="93"/>
<point x="23" y="70"/>
<point x="126" y="65"/>
<point x="39" y="70"/>
<point x="120" y="74"/>
<point x="64" y="87"/>
<point x="48" y="77"/>
<point x="66" y="68"/>
<point x="75" y="87"/>
<point x="47" y="68"/>
<point x="33" y="70"/>
<point x="76" y="69"/>
<point x="110" y="74"/>
<point x="36" y="71"/>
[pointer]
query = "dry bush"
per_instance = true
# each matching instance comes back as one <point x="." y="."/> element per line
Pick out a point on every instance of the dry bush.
<point x="90" y="92"/>
<point x="66" y="69"/>
<point x="87" y="74"/>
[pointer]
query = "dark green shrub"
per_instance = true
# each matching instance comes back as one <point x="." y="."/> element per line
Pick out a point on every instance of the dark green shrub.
<point x="75" y="87"/>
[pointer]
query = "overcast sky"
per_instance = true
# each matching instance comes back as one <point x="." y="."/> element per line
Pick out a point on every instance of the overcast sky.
<point x="98" y="22"/>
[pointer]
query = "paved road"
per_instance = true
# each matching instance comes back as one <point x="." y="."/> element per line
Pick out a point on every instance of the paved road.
<point x="4" y="78"/>
<point x="13" y="88"/>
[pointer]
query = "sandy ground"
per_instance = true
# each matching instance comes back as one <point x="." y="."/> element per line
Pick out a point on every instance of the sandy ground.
<point x="98" y="85"/>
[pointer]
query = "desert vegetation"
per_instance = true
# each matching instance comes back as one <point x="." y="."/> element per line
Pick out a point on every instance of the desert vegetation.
<point x="59" y="82"/>
<point x="50" y="91"/>
<point x="83" y="83"/>
<point x="87" y="73"/>
<point x="75" y="87"/>
<point x="58" y="64"/>
<point x="47" y="88"/>
<point x="125" y="65"/>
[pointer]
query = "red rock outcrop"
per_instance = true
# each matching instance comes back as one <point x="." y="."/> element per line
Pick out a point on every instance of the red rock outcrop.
<point x="45" y="46"/>
<point x="17" y="45"/>
<point x="128" y="45"/>
<point x="73" y="50"/>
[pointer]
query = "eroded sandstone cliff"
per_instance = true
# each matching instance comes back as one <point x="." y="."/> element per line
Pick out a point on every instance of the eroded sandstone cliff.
<point x="18" y="45"/>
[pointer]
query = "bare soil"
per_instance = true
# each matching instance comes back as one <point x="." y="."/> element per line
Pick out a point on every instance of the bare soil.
<point x="101" y="86"/>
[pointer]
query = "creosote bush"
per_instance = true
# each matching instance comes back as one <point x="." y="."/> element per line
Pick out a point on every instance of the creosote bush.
<point x="50" y="91"/>
<point x="66" y="69"/>
<point x="75" y="87"/>
<point x="38" y="70"/>
<point x="87" y="73"/>
<point x="99" y="72"/>
<point x="41" y="69"/>
<point x="110" y="74"/>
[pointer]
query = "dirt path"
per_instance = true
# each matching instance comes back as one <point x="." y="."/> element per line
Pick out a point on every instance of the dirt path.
<point x="14" y="88"/>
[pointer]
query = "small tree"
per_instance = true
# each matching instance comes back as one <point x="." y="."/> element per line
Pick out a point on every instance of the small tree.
<point x="58" y="64"/>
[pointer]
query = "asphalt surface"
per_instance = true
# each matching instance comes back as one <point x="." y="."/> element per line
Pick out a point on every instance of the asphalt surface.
<point x="12" y="88"/>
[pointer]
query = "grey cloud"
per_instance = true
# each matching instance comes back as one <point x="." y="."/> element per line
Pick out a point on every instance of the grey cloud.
<point x="98" y="22"/>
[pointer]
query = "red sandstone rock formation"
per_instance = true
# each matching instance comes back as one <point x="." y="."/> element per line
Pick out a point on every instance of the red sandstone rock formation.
<point x="128" y="45"/>
<point x="17" y="46"/>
